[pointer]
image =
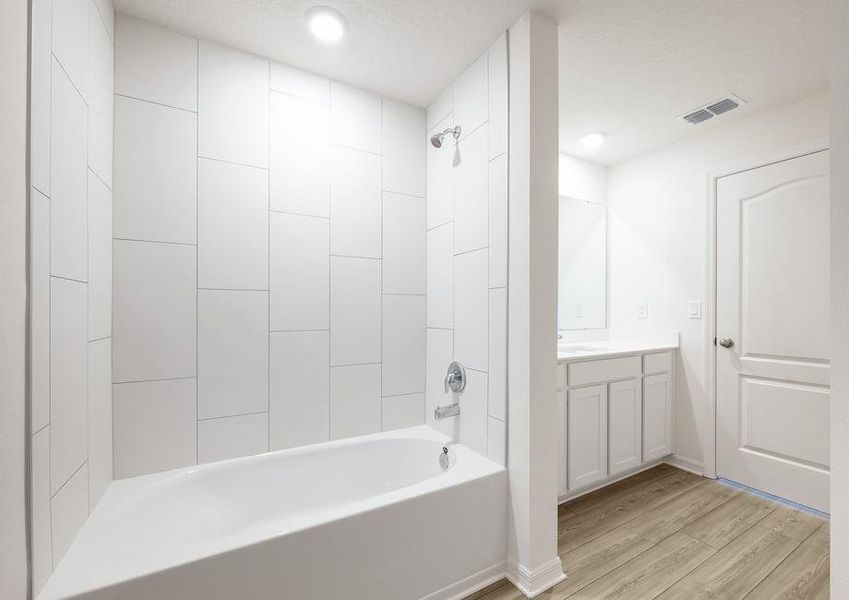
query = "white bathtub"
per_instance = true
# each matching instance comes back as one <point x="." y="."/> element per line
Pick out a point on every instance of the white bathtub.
<point x="364" y="518"/>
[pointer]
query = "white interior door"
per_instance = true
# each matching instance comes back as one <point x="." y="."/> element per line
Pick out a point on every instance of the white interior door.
<point x="772" y="326"/>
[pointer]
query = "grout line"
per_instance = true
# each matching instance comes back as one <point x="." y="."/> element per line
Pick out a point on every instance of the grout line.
<point x="153" y="380"/>
<point x="213" y="289"/>
<point x="405" y="194"/>
<point x="197" y="251"/>
<point x="403" y="294"/>
<point x="154" y="102"/>
<point x="232" y="162"/>
<point x="366" y="364"/>
<point x="401" y="395"/>
<point x="100" y="339"/>
<point x="295" y="214"/>
<point x="272" y="90"/>
<point x="97" y="176"/>
<point x="350" y="256"/>
<point x="121" y="239"/>
<point x="464" y="252"/>
<point x="62" y="487"/>
<point x="76" y="89"/>
<point x="73" y="280"/>
<point x="296" y="330"/>
<point x="372" y="152"/>
<point x="268" y="402"/>
<point x="219" y="417"/>
<point x="429" y="229"/>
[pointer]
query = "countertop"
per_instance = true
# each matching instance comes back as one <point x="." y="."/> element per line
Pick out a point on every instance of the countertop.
<point x="573" y="351"/>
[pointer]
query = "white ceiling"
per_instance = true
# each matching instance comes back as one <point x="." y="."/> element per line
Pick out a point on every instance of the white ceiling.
<point x="627" y="67"/>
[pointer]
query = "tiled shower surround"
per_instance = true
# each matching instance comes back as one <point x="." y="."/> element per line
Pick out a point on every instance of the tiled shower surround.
<point x="269" y="255"/>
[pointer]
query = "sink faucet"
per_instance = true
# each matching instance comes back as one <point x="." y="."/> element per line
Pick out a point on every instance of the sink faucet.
<point x="455" y="380"/>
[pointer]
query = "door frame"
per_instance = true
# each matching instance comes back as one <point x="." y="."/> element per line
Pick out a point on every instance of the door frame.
<point x="796" y="151"/>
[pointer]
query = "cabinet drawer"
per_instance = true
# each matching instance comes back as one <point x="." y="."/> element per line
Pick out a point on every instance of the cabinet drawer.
<point x="596" y="371"/>
<point x="660" y="362"/>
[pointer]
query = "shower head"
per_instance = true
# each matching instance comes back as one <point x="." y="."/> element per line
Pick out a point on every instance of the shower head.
<point x="436" y="139"/>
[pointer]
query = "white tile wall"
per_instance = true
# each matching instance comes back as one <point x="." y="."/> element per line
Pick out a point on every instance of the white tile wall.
<point x="230" y="437"/>
<point x="40" y="318"/>
<point x="233" y="121"/>
<point x="232" y="215"/>
<point x="404" y="244"/>
<point x="355" y="311"/>
<point x="355" y="202"/>
<point x="155" y="172"/>
<point x="71" y="167"/>
<point x="470" y="194"/>
<point x="155" y="424"/>
<point x="99" y="259"/>
<point x="70" y="40"/>
<point x="403" y="411"/>
<point x="498" y="353"/>
<point x="69" y="510"/>
<point x="300" y="388"/>
<point x="299" y="272"/>
<point x="440" y="353"/>
<point x="498" y="221"/>
<point x="473" y="418"/>
<point x="403" y="344"/>
<point x="156" y="64"/>
<point x="301" y="84"/>
<point x="498" y="94"/>
<point x="440" y="177"/>
<point x="496" y="441"/>
<point x="99" y="419"/>
<point x="300" y="155"/>
<point x="471" y="308"/>
<point x="355" y="403"/>
<point x="68" y="254"/>
<point x="440" y="276"/>
<point x="68" y="379"/>
<point x="355" y="118"/>
<point x="441" y="108"/>
<point x="154" y="297"/>
<point x="100" y="98"/>
<point x="404" y="149"/>
<point x="471" y="97"/>
<point x="232" y="352"/>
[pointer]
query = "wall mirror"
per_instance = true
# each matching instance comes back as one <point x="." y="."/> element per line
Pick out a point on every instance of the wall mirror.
<point x="582" y="277"/>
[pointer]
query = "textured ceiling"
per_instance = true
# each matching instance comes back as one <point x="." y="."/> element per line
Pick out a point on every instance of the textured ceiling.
<point x="627" y="67"/>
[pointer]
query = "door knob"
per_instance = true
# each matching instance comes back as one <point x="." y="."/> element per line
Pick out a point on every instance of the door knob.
<point x="726" y="342"/>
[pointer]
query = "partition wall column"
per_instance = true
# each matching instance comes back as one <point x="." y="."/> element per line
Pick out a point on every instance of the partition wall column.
<point x="533" y="564"/>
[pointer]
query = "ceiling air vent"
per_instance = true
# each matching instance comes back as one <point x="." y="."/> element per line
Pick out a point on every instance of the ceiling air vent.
<point x="708" y="111"/>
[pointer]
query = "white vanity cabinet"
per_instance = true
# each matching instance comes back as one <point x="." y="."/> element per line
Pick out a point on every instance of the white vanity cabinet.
<point x="615" y="415"/>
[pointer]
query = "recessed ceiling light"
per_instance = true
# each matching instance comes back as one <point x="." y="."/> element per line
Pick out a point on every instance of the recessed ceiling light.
<point x="327" y="24"/>
<point x="593" y="141"/>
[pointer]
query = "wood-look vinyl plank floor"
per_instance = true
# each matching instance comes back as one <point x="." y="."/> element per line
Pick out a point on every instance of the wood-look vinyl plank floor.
<point x="668" y="534"/>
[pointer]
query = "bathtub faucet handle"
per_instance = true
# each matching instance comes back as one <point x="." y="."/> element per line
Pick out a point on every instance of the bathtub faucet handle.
<point x="455" y="378"/>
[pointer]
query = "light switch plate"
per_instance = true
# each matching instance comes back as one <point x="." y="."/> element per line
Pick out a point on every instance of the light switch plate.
<point x="694" y="309"/>
<point x="643" y="310"/>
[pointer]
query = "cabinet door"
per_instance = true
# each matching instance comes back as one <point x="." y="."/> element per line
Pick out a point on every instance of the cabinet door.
<point x="624" y="425"/>
<point x="657" y="416"/>
<point x="587" y="439"/>
<point x="562" y="450"/>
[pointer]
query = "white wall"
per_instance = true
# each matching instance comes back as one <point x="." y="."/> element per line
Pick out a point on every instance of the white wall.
<point x="269" y="255"/>
<point x="14" y="26"/>
<point x="657" y="215"/>
<point x="578" y="178"/>
<point x="839" y="89"/>
<point x="467" y="252"/>
<point x="71" y="279"/>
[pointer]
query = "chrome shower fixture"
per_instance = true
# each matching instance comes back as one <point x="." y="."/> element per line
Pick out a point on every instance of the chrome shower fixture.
<point x="436" y="139"/>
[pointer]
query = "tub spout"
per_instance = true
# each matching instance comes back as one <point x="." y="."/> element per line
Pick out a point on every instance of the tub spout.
<point x="441" y="412"/>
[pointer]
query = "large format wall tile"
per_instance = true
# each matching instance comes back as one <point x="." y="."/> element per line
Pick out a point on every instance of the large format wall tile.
<point x="232" y="105"/>
<point x="470" y="97"/>
<point x="354" y="311"/>
<point x="155" y="426"/>
<point x="498" y="96"/>
<point x="68" y="379"/>
<point x="99" y="419"/>
<point x="156" y="64"/>
<point x="42" y="557"/>
<point x="473" y="419"/>
<point x="232" y="226"/>
<point x="300" y="156"/>
<point x="100" y="98"/>
<point x="300" y="266"/>
<point x="70" y="39"/>
<point x="41" y="66"/>
<point x="403" y="411"/>
<point x="155" y="311"/>
<point x="471" y="302"/>
<point x="403" y="344"/>
<point x="440" y="177"/>
<point x="498" y="354"/>
<point x="107" y="15"/>
<point x="404" y="148"/>
<point x="232" y="352"/>
<point x="68" y="202"/>
<point x="355" y="403"/>
<point x="496" y="441"/>
<point x="299" y="404"/>
<point x="69" y="510"/>
<point x="498" y="222"/>
<point x="355" y="203"/>
<point x="231" y="437"/>
<point x="440" y="276"/>
<point x="301" y="84"/>
<point x="404" y="244"/>
<point x="355" y="118"/>
<point x="40" y="307"/>
<point x="155" y="172"/>
<point x="471" y="176"/>
<point x="440" y="353"/>
<point x="99" y="259"/>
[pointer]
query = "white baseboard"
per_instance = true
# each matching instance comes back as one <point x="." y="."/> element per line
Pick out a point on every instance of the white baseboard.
<point x="470" y="584"/>
<point x="534" y="583"/>
<point x="688" y="464"/>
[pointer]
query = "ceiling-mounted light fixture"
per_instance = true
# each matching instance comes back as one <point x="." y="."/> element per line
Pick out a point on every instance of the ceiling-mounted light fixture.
<point x="327" y="24"/>
<point x="593" y="141"/>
